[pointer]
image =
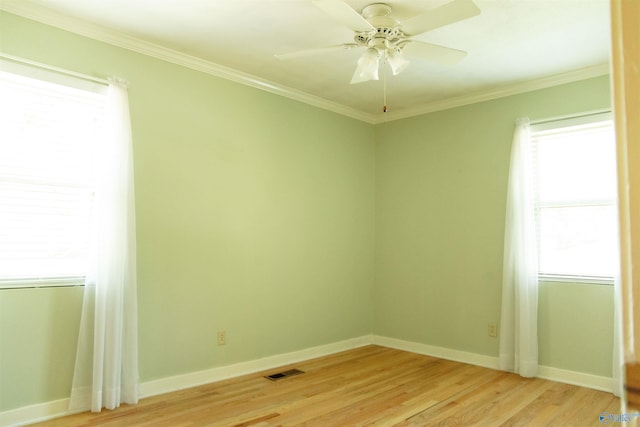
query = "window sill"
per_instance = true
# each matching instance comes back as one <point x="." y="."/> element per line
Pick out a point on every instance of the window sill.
<point x="587" y="280"/>
<point x="45" y="282"/>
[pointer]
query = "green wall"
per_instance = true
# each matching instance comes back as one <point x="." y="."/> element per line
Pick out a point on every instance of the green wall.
<point x="38" y="336"/>
<point x="441" y="183"/>
<point x="256" y="215"/>
<point x="575" y="327"/>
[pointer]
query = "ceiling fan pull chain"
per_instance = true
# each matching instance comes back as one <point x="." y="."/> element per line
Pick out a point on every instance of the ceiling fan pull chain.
<point x="384" y="84"/>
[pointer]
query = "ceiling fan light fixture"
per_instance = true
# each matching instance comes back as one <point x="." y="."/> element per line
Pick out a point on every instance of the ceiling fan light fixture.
<point x="397" y="61"/>
<point x="380" y="33"/>
<point x="367" y="68"/>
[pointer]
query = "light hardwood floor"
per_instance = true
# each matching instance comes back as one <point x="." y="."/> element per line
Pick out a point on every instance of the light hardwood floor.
<point x="367" y="386"/>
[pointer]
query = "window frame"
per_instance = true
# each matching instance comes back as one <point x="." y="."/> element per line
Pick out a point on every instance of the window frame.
<point x="73" y="81"/>
<point x="560" y="123"/>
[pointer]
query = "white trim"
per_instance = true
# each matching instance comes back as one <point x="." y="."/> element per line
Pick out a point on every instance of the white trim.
<point x="440" y="352"/>
<point x="22" y="64"/>
<point x="95" y="32"/>
<point x="579" y="280"/>
<point x="193" y="379"/>
<point x="59" y="408"/>
<point x="42" y="282"/>
<point x="35" y="413"/>
<point x="596" y="113"/>
<point x="581" y="379"/>
<point x="46" y="16"/>
<point x="601" y="118"/>
<point x="499" y="92"/>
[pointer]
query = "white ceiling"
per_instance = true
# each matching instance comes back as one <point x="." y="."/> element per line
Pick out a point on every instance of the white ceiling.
<point x="509" y="43"/>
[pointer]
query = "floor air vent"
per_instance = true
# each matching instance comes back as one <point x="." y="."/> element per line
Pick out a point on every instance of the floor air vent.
<point x="285" y="374"/>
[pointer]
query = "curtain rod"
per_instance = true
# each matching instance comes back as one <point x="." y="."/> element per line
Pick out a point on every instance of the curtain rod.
<point x="52" y="68"/>
<point x="570" y="116"/>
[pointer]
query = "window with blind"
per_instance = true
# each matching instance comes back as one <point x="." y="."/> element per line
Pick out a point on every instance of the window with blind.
<point x="48" y="134"/>
<point x="574" y="168"/>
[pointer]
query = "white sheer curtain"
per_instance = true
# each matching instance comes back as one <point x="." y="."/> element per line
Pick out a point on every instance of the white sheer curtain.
<point x="519" y="319"/>
<point x="106" y="370"/>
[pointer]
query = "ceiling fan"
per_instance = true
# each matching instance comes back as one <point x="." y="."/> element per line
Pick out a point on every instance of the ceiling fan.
<point x="384" y="37"/>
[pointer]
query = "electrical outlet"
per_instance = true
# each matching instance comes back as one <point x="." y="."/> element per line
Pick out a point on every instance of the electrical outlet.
<point x="493" y="330"/>
<point x="222" y="337"/>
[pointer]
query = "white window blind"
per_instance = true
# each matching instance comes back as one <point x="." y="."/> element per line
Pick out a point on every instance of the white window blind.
<point x="48" y="137"/>
<point x="575" y="197"/>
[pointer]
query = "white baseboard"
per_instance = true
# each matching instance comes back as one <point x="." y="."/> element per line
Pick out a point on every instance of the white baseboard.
<point x="576" y="378"/>
<point x="59" y="408"/>
<point x="179" y="382"/>
<point x="440" y="352"/>
<point x="545" y="372"/>
<point x="35" y="413"/>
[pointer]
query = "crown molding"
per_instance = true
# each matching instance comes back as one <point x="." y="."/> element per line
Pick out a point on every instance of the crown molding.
<point x="96" y="32"/>
<point x="499" y="92"/>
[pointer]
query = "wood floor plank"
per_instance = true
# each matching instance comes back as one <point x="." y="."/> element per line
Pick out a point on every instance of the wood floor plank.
<point x="370" y="385"/>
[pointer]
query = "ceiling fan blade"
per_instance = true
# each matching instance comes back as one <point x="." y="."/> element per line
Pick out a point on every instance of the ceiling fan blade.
<point x="316" y="51"/>
<point x="343" y="13"/>
<point x="446" y="14"/>
<point x="433" y="52"/>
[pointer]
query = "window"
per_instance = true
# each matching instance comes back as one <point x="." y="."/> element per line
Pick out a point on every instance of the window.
<point x="49" y="128"/>
<point x="574" y="169"/>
